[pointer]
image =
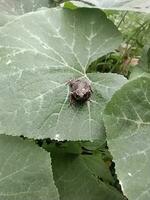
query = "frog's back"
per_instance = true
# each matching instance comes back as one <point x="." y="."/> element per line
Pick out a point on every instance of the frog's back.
<point x="79" y="84"/>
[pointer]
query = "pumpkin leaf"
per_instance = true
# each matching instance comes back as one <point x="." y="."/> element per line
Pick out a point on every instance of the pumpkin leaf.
<point x="37" y="63"/>
<point x="25" y="171"/>
<point x="81" y="177"/>
<point x="9" y="10"/>
<point x="127" y="121"/>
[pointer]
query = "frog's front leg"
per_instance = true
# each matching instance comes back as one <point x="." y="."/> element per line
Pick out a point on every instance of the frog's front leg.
<point x="71" y="99"/>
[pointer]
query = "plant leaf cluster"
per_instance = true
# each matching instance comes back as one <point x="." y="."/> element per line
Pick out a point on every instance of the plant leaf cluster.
<point x="41" y="49"/>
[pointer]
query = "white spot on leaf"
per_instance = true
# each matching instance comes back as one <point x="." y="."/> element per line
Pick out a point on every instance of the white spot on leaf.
<point x="57" y="137"/>
<point x="129" y="174"/>
<point x="8" y="62"/>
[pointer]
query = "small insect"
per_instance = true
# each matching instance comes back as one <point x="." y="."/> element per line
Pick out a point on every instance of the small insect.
<point x="80" y="91"/>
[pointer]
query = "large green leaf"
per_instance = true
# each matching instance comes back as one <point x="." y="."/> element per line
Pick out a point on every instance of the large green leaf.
<point x="4" y="19"/>
<point x="53" y="47"/>
<point x="79" y="177"/>
<point x="127" y="120"/>
<point x="25" y="171"/>
<point x="20" y="7"/>
<point x="9" y="9"/>
<point x="132" y="5"/>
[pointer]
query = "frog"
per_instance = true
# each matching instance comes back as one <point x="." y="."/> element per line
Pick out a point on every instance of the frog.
<point x="80" y="91"/>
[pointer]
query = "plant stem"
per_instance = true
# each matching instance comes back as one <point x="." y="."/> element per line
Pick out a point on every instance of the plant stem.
<point x="122" y="19"/>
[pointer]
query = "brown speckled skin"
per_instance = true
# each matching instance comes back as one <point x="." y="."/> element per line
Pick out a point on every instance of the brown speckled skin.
<point x="80" y="91"/>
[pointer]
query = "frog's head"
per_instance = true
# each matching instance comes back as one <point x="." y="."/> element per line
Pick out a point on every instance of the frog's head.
<point x="82" y="94"/>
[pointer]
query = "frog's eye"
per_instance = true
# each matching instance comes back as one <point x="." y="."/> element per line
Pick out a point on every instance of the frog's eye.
<point x="85" y="95"/>
<point x="77" y="96"/>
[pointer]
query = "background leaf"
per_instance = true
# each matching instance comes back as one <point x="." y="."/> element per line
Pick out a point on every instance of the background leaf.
<point x="53" y="47"/>
<point x="20" y="7"/>
<point x="25" y="171"/>
<point x="127" y="121"/>
<point x="132" y="5"/>
<point x="78" y="176"/>
<point x="9" y="9"/>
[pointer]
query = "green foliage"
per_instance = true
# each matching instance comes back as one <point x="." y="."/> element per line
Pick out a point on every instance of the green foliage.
<point x="25" y="171"/>
<point x="41" y="60"/>
<point x="41" y="49"/>
<point x="132" y="5"/>
<point x="9" y="10"/>
<point x="82" y="176"/>
<point x="127" y="121"/>
<point x="135" y="28"/>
